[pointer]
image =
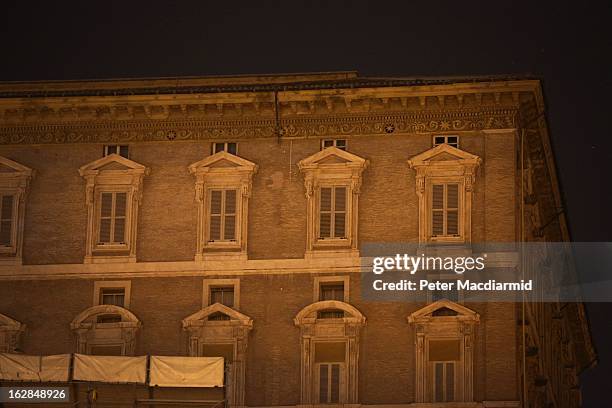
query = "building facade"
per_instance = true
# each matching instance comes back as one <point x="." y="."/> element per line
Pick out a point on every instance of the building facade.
<point x="224" y="216"/>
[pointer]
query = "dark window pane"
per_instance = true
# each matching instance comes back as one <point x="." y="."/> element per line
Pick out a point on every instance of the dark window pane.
<point x="231" y="148"/>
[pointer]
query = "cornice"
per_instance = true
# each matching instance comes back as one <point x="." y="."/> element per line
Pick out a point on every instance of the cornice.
<point x="291" y="126"/>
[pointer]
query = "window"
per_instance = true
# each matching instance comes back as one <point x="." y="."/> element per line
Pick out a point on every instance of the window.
<point x="442" y="357"/>
<point x="223" y="295"/>
<point x="444" y="352"/>
<point x="222" y="210"/>
<point x="14" y="185"/>
<point x="444" y="182"/>
<point x="446" y="139"/>
<point x="444" y="381"/>
<point x="10" y="334"/>
<point x="339" y="143"/>
<point x="211" y="335"/>
<point x="332" y="212"/>
<point x="223" y="291"/>
<point x="113" y="195"/>
<point x="115" y="293"/>
<point x="454" y="295"/>
<point x="223" y="188"/>
<point x="121" y="150"/>
<point x="112" y="296"/>
<point x="329" y="383"/>
<point x="111" y="224"/>
<point x="7" y="220"/>
<point x="331" y="291"/>
<point x="332" y="179"/>
<point x="329" y="353"/>
<point x="445" y="210"/>
<point x="106" y="330"/>
<point x="229" y="147"/>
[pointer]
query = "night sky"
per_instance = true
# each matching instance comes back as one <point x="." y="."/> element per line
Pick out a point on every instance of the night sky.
<point x="568" y="46"/>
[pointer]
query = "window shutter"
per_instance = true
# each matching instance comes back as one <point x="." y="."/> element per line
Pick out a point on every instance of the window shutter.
<point x="450" y="382"/>
<point x="335" y="383"/>
<point x="106" y="211"/>
<point x="215" y="215"/>
<point x="340" y="212"/>
<point x="120" y="213"/>
<point x="323" y="383"/>
<point x="437" y="201"/>
<point x="439" y="382"/>
<point x="6" y="223"/>
<point x="229" y="232"/>
<point x="452" y="208"/>
<point x="325" y="213"/>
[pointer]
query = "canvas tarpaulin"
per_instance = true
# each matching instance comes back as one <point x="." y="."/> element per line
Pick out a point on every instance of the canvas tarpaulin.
<point x="21" y="367"/>
<point x="186" y="371"/>
<point x="110" y="369"/>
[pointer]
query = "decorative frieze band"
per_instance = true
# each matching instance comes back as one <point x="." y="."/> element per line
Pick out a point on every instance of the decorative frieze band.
<point x="338" y="125"/>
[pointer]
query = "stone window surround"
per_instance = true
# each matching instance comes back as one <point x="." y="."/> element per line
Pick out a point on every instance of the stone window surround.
<point x="459" y="168"/>
<point x="125" y="285"/>
<point x="235" y="331"/>
<point x="459" y="327"/>
<point x="123" y="332"/>
<point x="239" y="177"/>
<point x="314" y="330"/>
<point x="323" y="279"/>
<point x="207" y="284"/>
<point x="346" y="172"/>
<point x="15" y="183"/>
<point x="127" y="179"/>
<point x="10" y="334"/>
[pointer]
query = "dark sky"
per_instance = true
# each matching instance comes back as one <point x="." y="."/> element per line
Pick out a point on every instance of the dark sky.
<point x="567" y="45"/>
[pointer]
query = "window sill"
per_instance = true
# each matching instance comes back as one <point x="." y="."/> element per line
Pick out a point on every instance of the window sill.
<point x="222" y="256"/>
<point x="111" y="248"/>
<point x="100" y="259"/>
<point x="332" y="252"/>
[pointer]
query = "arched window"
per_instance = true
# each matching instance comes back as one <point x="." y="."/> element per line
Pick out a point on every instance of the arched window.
<point x="10" y="334"/>
<point x="330" y="352"/>
<point x="220" y="331"/>
<point x="444" y="352"/>
<point x="106" y="330"/>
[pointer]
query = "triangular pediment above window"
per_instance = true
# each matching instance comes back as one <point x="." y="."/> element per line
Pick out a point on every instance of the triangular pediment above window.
<point x="8" y="166"/>
<point x="444" y="154"/>
<point x="333" y="157"/>
<point x="443" y="309"/>
<point x="112" y="162"/>
<point x="200" y="317"/>
<point x="222" y="161"/>
<point x="6" y="323"/>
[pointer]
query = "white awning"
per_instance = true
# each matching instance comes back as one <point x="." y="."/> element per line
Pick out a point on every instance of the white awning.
<point x="110" y="369"/>
<point x="22" y="367"/>
<point x="186" y="371"/>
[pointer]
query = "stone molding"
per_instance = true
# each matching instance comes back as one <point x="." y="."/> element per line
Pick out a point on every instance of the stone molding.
<point x="10" y="332"/>
<point x="458" y="327"/>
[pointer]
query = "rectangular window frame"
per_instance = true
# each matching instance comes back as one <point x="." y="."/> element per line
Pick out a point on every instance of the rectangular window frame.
<point x="12" y="247"/>
<point x="102" y="247"/>
<point x="227" y="146"/>
<point x="207" y="284"/>
<point x="341" y="382"/>
<point x="445" y="277"/>
<point x="446" y="140"/>
<point x="431" y="366"/>
<point x="460" y="237"/>
<point x="222" y="243"/>
<point x="123" y="150"/>
<point x="343" y="145"/>
<point x="100" y="285"/>
<point x="330" y="280"/>
<point x="333" y="241"/>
